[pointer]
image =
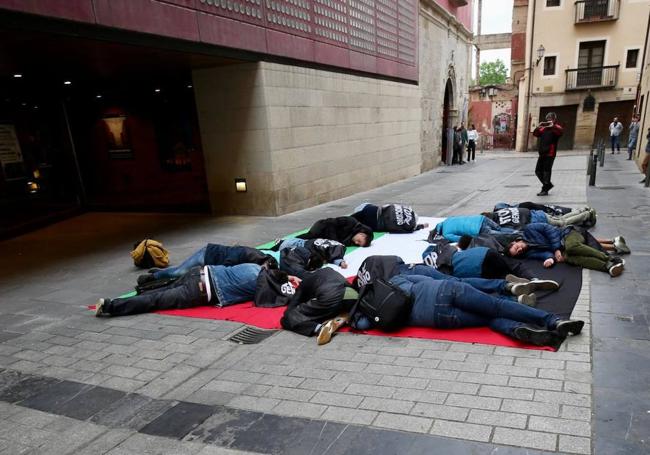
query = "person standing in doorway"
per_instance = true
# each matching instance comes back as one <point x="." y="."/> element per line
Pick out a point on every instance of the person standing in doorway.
<point x="632" y="136"/>
<point x="458" y="147"/>
<point x="463" y="137"/>
<point x="472" y="139"/>
<point x="549" y="133"/>
<point x="615" y="130"/>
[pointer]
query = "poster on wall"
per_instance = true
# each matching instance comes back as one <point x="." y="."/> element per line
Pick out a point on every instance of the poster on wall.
<point x="119" y="139"/>
<point x="11" y="156"/>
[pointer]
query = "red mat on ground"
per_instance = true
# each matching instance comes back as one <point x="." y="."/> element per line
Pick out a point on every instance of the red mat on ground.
<point x="269" y="318"/>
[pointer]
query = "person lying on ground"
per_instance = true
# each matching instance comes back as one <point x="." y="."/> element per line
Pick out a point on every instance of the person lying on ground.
<point x="570" y="245"/>
<point x="211" y="254"/>
<point x="551" y="209"/>
<point x="323" y="250"/>
<point x="343" y="229"/>
<point x="394" y="218"/>
<point x="449" y="304"/>
<point x="386" y="267"/>
<point x="454" y="227"/>
<point x="217" y="285"/>
<point x="518" y="217"/>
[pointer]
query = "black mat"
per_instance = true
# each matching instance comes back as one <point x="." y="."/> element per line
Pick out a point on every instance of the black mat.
<point x="569" y="277"/>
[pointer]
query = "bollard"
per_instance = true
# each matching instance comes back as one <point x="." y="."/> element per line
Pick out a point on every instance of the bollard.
<point x="601" y="152"/>
<point x="647" y="177"/>
<point x="589" y="160"/>
<point x="592" y="175"/>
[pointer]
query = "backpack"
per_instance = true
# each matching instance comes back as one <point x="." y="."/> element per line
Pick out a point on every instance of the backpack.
<point x="150" y="253"/>
<point x="386" y="305"/>
<point x="398" y="218"/>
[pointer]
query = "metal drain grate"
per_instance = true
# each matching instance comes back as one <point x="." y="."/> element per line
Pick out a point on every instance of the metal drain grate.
<point x="516" y="186"/>
<point x="250" y="335"/>
<point x="611" y="187"/>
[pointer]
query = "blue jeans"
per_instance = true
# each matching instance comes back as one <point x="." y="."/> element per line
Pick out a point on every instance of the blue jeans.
<point x="491" y="227"/>
<point x="196" y="259"/>
<point x="452" y="305"/>
<point x="482" y="284"/>
<point x="615" y="143"/>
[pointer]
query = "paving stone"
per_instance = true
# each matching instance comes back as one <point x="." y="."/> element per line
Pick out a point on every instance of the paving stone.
<point x="259" y="404"/>
<point x="572" y="444"/>
<point x="540" y="363"/>
<point x="433" y="374"/>
<point x="575" y="413"/>
<point x="444" y="355"/>
<point x="313" y="373"/>
<point x="469" y="401"/>
<point x="402" y="382"/>
<point x="325" y="386"/>
<point x="506" y="392"/>
<point x="525" y="438"/>
<point x="132" y="412"/>
<point x="402" y="422"/>
<point x="89" y="402"/>
<point x="547" y="384"/>
<point x="347" y="415"/>
<point x="575" y="399"/>
<point x="389" y="370"/>
<point x="423" y="396"/>
<point x="503" y="419"/>
<point x="563" y="426"/>
<point x="531" y="407"/>
<point x="299" y="409"/>
<point x="104" y="442"/>
<point x="337" y="399"/>
<point x="287" y="393"/>
<point x="370" y="390"/>
<point x="179" y="420"/>
<point x="455" y="387"/>
<point x="512" y="370"/>
<point x="53" y="397"/>
<point x="461" y="430"/>
<point x="577" y="387"/>
<point x="386" y="404"/>
<point x="463" y="366"/>
<point x="483" y="378"/>
<point x="440" y="411"/>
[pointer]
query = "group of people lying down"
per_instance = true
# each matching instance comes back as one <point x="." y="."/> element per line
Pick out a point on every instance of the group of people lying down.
<point x="469" y="275"/>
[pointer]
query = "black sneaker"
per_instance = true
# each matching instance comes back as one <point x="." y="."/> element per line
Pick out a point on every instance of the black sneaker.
<point x="534" y="285"/>
<point x="538" y="337"/>
<point x="543" y="193"/>
<point x="146" y="278"/>
<point x="510" y="278"/>
<point x="568" y="326"/>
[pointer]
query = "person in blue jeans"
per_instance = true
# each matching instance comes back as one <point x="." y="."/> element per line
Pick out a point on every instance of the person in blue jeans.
<point x="211" y="254"/>
<point x="217" y="285"/>
<point x="454" y="227"/>
<point x="448" y="304"/>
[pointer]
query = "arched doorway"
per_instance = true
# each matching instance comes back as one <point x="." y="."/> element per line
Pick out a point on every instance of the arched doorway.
<point x="446" y="133"/>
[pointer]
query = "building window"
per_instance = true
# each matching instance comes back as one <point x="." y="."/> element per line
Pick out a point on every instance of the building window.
<point x="549" y="66"/>
<point x="632" y="58"/>
<point x="550" y="3"/>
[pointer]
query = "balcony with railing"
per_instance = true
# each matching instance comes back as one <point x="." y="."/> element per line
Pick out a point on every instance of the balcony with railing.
<point x="588" y="11"/>
<point x="592" y="77"/>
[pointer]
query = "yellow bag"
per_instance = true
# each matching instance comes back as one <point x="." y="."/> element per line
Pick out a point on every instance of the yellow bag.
<point x="150" y="253"/>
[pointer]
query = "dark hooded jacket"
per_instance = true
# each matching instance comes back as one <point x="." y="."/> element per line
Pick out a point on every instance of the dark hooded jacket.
<point x="319" y="297"/>
<point x="341" y="229"/>
<point x="542" y="239"/>
<point x="216" y="254"/>
<point x="395" y="218"/>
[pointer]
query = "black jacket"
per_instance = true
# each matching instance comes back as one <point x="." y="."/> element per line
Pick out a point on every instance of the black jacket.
<point x="341" y="229"/>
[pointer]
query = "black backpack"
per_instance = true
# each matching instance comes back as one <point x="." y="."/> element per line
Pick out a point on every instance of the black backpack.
<point x="386" y="305"/>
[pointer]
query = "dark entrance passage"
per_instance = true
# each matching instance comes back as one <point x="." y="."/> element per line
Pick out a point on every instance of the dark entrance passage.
<point x="445" y="145"/>
<point x="92" y="125"/>
<point x="566" y="116"/>
<point x="606" y="113"/>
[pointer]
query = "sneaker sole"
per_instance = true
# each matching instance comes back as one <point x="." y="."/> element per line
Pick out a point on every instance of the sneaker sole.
<point x="538" y="338"/>
<point x="616" y="270"/>
<point x="570" y="327"/>
<point x="545" y="285"/>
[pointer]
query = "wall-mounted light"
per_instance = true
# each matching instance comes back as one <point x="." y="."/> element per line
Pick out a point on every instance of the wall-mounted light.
<point x="240" y="185"/>
<point x="157" y="90"/>
<point x="540" y="53"/>
<point x="33" y="187"/>
<point x="98" y="96"/>
<point x="17" y="76"/>
<point x="67" y="82"/>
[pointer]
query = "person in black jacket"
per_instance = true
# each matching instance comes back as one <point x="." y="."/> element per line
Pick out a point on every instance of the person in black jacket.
<point x="344" y="229"/>
<point x="549" y="133"/>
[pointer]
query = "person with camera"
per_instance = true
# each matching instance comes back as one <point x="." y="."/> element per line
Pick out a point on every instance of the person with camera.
<point x="549" y="133"/>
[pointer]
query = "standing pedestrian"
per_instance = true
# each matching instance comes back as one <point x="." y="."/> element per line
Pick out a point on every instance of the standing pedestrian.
<point x="463" y="137"/>
<point x="646" y="159"/>
<point x="458" y="147"/>
<point x="632" y="136"/>
<point x="472" y="139"/>
<point x="615" y="130"/>
<point x="549" y="133"/>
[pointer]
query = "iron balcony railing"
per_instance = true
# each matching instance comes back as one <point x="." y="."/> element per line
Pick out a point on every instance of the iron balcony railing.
<point x="596" y="10"/>
<point x="592" y="77"/>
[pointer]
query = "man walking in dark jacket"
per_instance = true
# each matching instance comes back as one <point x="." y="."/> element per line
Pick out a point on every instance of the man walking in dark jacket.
<point x="549" y="133"/>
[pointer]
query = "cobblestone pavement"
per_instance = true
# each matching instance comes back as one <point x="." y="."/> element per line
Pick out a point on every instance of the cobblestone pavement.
<point x="72" y="383"/>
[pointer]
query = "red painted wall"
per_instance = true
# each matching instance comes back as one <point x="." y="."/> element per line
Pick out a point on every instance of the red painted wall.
<point x="518" y="46"/>
<point x="480" y="114"/>
<point x="462" y="13"/>
<point x="376" y="37"/>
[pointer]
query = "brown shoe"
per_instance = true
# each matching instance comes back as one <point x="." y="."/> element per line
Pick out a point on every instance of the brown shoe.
<point x="330" y="327"/>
